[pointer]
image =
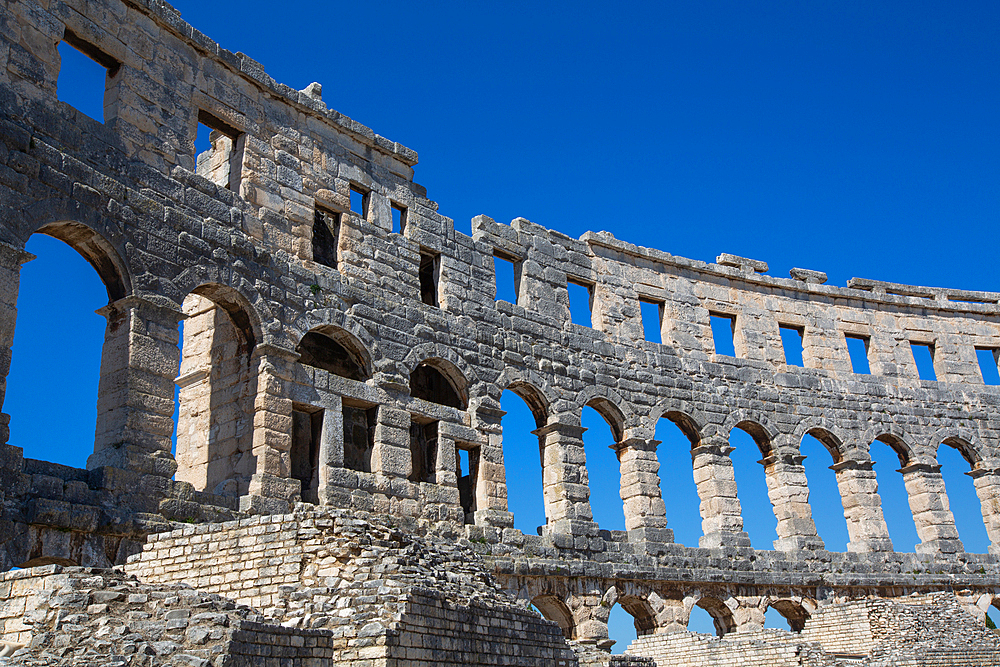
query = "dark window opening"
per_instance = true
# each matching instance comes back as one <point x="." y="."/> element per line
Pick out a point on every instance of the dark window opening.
<point x="923" y="355"/>
<point x="652" y="320"/>
<point x="467" y="461"/>
<point x="430" y="271"/>
<point x="398" y="217"/>
<point x="359" y="435"/>
<point x="429" y="384"/>
<point x="857" y="349"/>
<point x="359" y="202"/>
<point x="581" y="302"/>
<point x="322" y="351"/>
<point x="791" y="341"/>
<point x="988" y="358"/>
<point x="86" y="78"/>
<point x="724" y="333"/>
<point x="423" y="450"/>
<point x="505" y="270"/>
<point x="221" y="161"/>
<point x="326" y="237"/>
<point x="307" y="428"/>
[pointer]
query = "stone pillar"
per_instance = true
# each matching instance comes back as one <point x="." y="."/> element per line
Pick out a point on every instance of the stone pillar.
<point x="391" y="451"/>
<point x="862" y="507"/>
<point x="987" y="483"/>
<point x="11" y="259"/>
<point x="645" y="512"/>
<point x="931" y="512"/>
<point x="721" y="517"/>
<point x="135" y="395"/>
<point x="788" y="490"/>
<point x="491" y="486"/>
<point x="591" y="611"/>
<point x="569" y="520"/>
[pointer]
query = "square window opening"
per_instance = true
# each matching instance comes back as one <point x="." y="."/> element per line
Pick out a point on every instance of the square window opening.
<point x="581" y="302"/>
<point x="326" y="237"/>
<point x="429" y="273"/>
<point x="219" y="151"/>
<point x="923" y="355"/>
<point x="398" y="218"/>
<point x="87" y="78"/>
<point x="423" y="450"/>
<point x="989" y="359"/>
<point x="505" y="271"/>
<point x="791" y="342"/>
<point x="359" y="435"/>
<point x="857" y="349"/>
<point x="724" y="333"/>
<point x="467" y="461"/>
<point x="359" y="201"/>
<point x="652" y="320"/>
<point x="307" y="429"/>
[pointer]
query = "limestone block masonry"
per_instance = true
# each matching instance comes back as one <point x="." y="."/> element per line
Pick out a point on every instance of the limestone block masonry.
<point x="339" y="353"/>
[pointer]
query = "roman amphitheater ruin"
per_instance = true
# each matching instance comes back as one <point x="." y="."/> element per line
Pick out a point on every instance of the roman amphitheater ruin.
<point x="340" y="363"/>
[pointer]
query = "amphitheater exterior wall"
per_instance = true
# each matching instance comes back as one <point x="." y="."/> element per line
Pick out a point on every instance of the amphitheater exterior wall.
<point x="257" y="246"/>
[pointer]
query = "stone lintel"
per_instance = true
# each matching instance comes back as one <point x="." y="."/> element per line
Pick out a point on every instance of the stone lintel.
<point x="920" y="467"/>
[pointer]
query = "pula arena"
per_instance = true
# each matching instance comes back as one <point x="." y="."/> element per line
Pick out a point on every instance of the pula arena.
<point x="338" y="494"/>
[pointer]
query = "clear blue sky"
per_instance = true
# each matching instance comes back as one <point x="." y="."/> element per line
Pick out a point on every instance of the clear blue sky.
<point x="849" y="137"/>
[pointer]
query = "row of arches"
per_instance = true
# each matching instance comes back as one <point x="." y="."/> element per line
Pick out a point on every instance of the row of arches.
<point x="218" y="436"/>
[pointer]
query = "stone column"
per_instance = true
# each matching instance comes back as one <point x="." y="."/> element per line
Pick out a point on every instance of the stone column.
<point x="11" y="259"/>
<point x="987" y="483"/>
<point x="862" y="507"/>
<point x="931" y="512"/>
<point x="721" y="517"/>
<point x="491" y="486"/>
<point x="271" y="489"/>
<point x="135" y="395"/>
<point x="788" y="490"/>
<point x="591" y="611"/>
<point x="645" y="512"/>
<point x="569" y="520"/>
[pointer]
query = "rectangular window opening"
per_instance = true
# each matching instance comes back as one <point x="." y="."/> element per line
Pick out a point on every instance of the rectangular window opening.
<point x="359" y="202"/>
<point x="429" y="273"/>
<point x="857" y="349"/>
<point x="87" y="78"/>
<point x="923" y="355"/>
<point x="467" y="460"/>
<point x="791" y="342"/>
<point x="398" y="218"/>
<point x="359" y="435"/>
<point x="652" y="320"/>
<point x="423" y="450"/>
<point x="724" y="333"/>
<point x="218" y="151"/>
<point x="988" y="358"/>
<point x="326" y="237"/>
<point x="307" y="428"/>
<point x="505" y="270"/>
<point x="581" y="302"/>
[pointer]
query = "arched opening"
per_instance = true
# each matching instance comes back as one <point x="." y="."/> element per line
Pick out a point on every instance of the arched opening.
<point x="555" y="609"/>
<point x="722" y="617"/>
<point x="678" y="434"/>
<point x="957" y="458"/>
<point x="439" y="381"/>
<point x="792" y="614"/>
<point x="524" y="464"/>
<point x="334" y="350"/>
<point x="750" y="442"/>
<point x="216" y="392"/>
<point x="821" y="449"/>
<point x="993" y="614"/>
<point x="53" y="384"/>
<point x="888" y="454"/>
<point x="602" y="419"/>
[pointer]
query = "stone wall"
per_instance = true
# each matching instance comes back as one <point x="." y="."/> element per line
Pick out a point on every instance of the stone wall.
<point x="319" y="312"/>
